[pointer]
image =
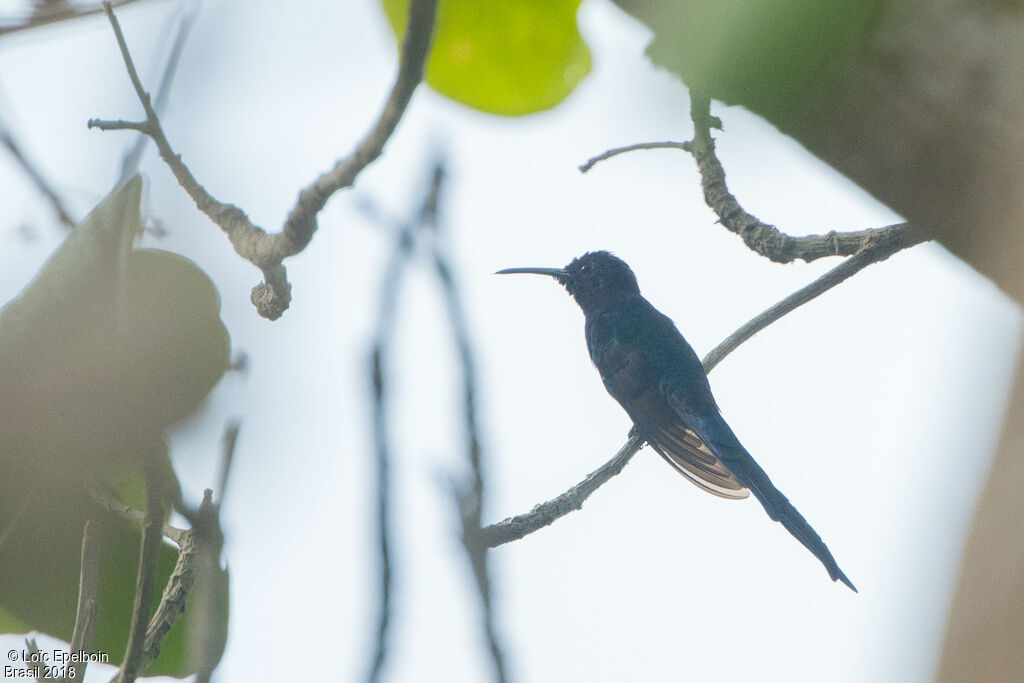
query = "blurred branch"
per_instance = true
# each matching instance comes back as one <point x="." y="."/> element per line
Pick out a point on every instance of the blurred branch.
<point x="145" y="579"/>
<point x="36" y="176"/>
<point x="189" y="12"/>
<point x="389" y="288"/>
<point x="37" y="656"/>
<point x="52" y="14"/>
<point x="204" y="647"/>
<point x="88" y="606"/>
<point x="267" y="251"/>
<point x="470" y="498"/>
<point x="111" y="503"/>
<point x="229" y="442"/>
<point x="188" y="568"/>
<point x="173" y="600"/>
<point x="198" y="556"/>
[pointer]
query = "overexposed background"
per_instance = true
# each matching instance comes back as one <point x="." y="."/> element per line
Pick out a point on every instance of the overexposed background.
<point x="874" y="408"/>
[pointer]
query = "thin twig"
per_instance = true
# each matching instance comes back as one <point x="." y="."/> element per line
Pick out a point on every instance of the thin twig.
<point x="198" y="557"/>
<point x="229" y="443"/>
<point x="761" y="237"/>
<point x="88" y="606"/>
<point x="130" y="163"/>
<point x="189" y="565"/>
<point x="544" y="514"/>
<point x="471" y="498"/>
<point x="109" y="502"/>
<point x="36" y="176"/>
<point x="36" y="656"/>
<point x="205" y="646"/>
<point x="615" y="151"/>
<point x="383" y="489"/>
<point x="188" y="568"/>
<point x="848" y="268"/>
<point x="64" y="13"/>
<point x="389" y="288"/>
<point x="267" y="251"/>
<point x="145" y="579"/>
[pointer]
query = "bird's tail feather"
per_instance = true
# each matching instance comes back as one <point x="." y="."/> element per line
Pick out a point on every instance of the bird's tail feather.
<point x="803" y="532"/>
<point x="720" y="438"/>
<point x="781" y="510"/>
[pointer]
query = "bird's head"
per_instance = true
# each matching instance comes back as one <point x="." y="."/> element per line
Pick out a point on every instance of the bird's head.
<point x="596" y="280"/>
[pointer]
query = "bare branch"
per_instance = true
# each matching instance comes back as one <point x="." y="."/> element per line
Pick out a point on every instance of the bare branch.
<point x="58" y="14"/>
<point x="615" y="151"/>
<point x="761" y="237"/>
<point x="192" y="564"/>
<point x="109" y="502"/>
<point x="545" y="514"/>
<point x="88" y="606"/>
<point x="145" y="580"/>
<point x="120" y="124"/>
<point x="188" y="12"/>
<point x="267" y="251"/>
<point x="172" y="601"/>
<point x="879" y="250"/>
<point x="301" y="223"/>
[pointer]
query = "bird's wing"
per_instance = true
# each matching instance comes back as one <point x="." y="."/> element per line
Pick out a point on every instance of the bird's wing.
<point x="685" y="451"/>
<point x="630" y="371"/>
<point x="709" y="425"/>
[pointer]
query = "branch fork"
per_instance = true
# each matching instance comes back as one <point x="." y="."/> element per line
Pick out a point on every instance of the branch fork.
<point x="268" y="251"/>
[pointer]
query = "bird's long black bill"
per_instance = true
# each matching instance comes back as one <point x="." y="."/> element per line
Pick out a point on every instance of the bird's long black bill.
<point x="560" y="273"/>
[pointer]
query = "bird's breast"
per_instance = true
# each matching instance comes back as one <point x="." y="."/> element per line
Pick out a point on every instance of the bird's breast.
<point x="617" y="349"/>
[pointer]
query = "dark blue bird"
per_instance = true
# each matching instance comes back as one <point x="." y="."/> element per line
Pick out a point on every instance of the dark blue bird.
<point x="654" y="374"/>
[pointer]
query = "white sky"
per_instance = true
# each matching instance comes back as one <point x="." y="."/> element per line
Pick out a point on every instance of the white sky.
<point x="874" y="408"/>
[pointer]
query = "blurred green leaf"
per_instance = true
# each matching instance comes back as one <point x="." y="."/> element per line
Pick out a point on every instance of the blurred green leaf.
<point x="103" y="351"/>
<point x="508" y="57"/>
<point x="40" y="564"/>
<point x="766" y="56"/>
<point x="11" y="624"/>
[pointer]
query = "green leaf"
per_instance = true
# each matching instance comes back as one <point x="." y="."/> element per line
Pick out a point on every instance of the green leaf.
<point x="103" y="351"/>
<point x="508" y="57"/>
<point x="11" y="624"/>
<point x="766" y="56"/>
<point x="40" y="565"/>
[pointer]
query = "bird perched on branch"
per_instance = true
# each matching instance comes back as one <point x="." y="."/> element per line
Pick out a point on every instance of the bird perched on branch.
<point x="651" y="370"/>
